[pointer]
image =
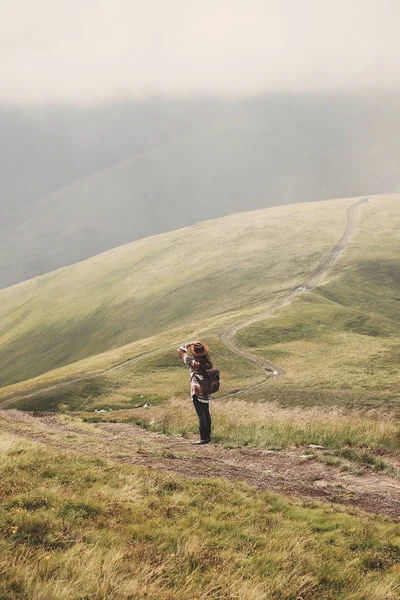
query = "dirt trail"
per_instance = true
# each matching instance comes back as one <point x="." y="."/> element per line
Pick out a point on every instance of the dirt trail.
<point x="291" y="473"/>
<point x="283" y="472"/>
<point x="16" y="397"/>
<point x="228" y="335"/>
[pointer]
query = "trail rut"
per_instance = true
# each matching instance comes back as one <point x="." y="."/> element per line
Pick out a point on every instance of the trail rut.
<point x="282" y="472"/>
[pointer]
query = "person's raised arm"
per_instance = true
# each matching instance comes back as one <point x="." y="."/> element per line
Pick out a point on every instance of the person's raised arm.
<point x="182" y="350"/>
<point x="185" y="356"/>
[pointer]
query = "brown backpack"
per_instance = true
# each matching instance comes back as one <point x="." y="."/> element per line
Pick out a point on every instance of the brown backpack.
<point x="211" y="380"/>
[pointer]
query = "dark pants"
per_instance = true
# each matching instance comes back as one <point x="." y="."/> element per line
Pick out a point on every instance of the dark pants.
<point x="203" y="412"/>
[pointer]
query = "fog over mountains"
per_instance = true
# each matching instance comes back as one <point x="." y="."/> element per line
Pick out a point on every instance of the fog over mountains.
<point x="75" y="182"/>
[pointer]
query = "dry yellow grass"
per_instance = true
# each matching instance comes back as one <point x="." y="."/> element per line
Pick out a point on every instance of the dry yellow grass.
<point x="271" y="426"/>
<point x="74" y="527"/>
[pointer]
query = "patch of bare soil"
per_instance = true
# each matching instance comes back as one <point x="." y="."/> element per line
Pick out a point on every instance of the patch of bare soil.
<point x="283" y="472"/>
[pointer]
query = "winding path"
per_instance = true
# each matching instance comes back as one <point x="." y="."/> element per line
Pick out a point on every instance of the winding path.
<point x="228" y="335"/>
<point x="295" y="473"/>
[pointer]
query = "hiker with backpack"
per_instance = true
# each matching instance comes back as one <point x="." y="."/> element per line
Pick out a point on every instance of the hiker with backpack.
<point x="204" y="380"/>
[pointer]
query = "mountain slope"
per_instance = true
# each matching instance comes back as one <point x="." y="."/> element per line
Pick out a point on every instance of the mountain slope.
<point x="48" y="148"/>
<point x="345" y="335"/>
<point x="337" y="344"/>
<point x="239" y="156"/>
<point x="166" y="281"/>
<point x="116" y="490"/>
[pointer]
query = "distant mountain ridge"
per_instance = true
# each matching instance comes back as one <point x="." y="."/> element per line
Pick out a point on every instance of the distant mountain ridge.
<point x="229" y="158"/>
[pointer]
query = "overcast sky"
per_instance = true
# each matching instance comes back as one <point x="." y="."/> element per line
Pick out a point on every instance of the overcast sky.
<point x="88" y="51"/>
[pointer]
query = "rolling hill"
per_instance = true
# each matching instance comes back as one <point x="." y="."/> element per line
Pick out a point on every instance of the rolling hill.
<point x="133" y="305"/>
<point x="212" y="269"/>
<point x="295" y="499"/>
<point x="126" y="173"/>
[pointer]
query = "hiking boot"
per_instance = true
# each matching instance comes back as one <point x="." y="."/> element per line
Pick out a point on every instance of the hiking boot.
<point x="200" y="442"/>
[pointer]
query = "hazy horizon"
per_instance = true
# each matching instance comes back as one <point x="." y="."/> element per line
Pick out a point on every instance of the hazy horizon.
<point x="88" y="52"/>
<point x="220" y="106"/>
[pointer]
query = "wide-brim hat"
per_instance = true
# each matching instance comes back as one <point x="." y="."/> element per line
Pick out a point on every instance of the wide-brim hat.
<point x="198" y="349"/>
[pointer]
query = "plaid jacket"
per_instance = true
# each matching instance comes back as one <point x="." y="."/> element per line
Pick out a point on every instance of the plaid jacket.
<point x="196" y="377"/>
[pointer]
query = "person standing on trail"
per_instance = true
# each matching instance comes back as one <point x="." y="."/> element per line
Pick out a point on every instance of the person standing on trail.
<point x="203" y="380"/>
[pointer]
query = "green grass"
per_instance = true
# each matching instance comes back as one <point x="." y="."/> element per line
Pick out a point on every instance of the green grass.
<point x="157" y="378"/>
<point x="330" y="350"/>
<point x="161" y="283"/>
<point x="76" y="527"/>
<point x="343" y="339"/>
<point x="70" y="397"/>
<point x="273" y="427"/>
<point x="80" y="527"/>
<point x="339" y="344"/>
<point x="311" y="318"/>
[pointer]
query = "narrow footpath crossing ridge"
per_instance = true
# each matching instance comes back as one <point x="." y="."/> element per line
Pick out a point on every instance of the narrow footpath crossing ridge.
<point x="228" y="335"/>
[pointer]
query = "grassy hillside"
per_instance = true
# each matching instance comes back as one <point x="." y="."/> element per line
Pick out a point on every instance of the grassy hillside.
<point x="338" y="344"/>
<point x="75" y="523"/>
<point x="185" y="277"/>
<point x="345" y="336"/>
<point x="79" y="526"/>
